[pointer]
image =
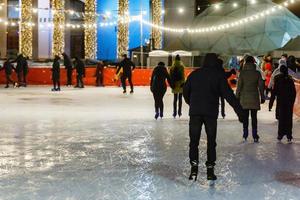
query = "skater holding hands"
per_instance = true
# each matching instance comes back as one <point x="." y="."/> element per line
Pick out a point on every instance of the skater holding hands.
<point x="158" y="87"/>
<point x="202" y="92"/>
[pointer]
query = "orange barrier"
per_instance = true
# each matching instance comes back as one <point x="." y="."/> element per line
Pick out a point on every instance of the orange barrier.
<point x="297" y="103"/>
<point x="42" y="76"/>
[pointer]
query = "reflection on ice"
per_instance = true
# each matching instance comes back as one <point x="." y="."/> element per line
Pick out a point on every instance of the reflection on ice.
<point x="79" y="148"/>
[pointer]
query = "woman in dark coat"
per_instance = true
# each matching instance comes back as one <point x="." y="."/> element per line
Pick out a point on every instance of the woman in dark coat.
<point x="80" y="70"/>
<point x="8" y="67"/>
<point x="158" y="87"/>
<point x="56" y="74"/>
<point x="285" y="92"/>
<point x="69" y="68"/>
<point x="250" y="92"/>
<point x="99" y="74"/>
<point x="25" y="70"/>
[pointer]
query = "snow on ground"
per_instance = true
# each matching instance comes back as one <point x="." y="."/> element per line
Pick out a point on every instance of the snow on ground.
<point x="97" y="143"/>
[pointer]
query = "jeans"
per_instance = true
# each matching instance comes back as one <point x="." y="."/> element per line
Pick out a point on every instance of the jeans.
<point x="124" y="77"/>
<point x="177" y="98"/>
<point x="253" y="119"/>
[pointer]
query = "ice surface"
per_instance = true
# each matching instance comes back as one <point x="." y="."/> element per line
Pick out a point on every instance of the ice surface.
<point x="99" y="144"/>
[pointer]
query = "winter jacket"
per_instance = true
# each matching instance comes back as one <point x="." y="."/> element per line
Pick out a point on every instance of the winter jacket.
<point x="20" y="63"/>
<point x="285" y="92"/>
<point x="177" y="77"/>
<point x="56" y="70"/>
<point x="67" y="62"/>
<point x="127" y="66"/>
<point x="158" y="80"/>
<point x="250" y="87"/>
<point x="8" y="67"/>
<point x="80" y="67"/>
<point x="203" y="89"/>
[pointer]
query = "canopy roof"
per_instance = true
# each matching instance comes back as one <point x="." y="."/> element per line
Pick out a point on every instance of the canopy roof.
<point x="260" y="36"/>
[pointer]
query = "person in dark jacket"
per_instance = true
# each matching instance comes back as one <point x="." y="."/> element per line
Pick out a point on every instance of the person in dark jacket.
<point x="25" y="71"/>
<point x="127" y="66"/>
<point x="99" y="74"/>
<point x="158" y="87"/>
<point x="56" y="74"/>
<point x="80" y="70"/>
<point x="285" y="93"/>
<point x="69" y="68"/>
<point x="8" y="67"/>
<point x="178" y="78"/>
<point x="201" y="92"/>
<point x="19" y="68"/>
<point x="291" y="63"/>
<point x="250" y="92"/>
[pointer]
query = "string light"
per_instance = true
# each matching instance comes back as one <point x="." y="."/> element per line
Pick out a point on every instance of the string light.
<point x="123" y="28"/>
<point x="157" y="19"/>
<point x="58" y="41"/>
<point x="25" y="28"/>
<point x="90" y="33"/>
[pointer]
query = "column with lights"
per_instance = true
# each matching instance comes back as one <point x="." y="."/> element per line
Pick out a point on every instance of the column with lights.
<point x="26" y="25"/>
<point x="123" y="27"/>
<point x="58" y="40"/>
<point x="90" y="32"/>
<point x="157" y="19"/>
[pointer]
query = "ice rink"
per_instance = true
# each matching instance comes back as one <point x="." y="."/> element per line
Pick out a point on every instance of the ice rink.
<point x="97" y="143"/>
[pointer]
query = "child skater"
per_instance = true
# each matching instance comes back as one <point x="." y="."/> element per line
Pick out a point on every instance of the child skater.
<point x="158" y="87"/>
<point x="285" y="92"/>
<point x="56" y="74"/>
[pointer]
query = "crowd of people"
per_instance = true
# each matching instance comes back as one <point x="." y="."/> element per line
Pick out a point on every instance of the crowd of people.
<point x="205" y="86"/>
<point x="202" y="90"/>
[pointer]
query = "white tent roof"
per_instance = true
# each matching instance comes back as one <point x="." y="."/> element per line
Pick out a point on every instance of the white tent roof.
<point x="257" y="37"/>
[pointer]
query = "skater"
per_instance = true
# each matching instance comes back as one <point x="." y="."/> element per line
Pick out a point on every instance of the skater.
<point x="127" y="66"/>
<point x="80" y="70"/>
<point x="25" y="71"/>
<point x="8" y="67"/>
<point x="250" y="92"/>
<point x="202" y="92"/>
<point x="178" y="79"/>
<point x="99" y="74"/>
<point x="285" y="93"/>
<point x="158" y="87"/>
<point x="69" y="68"/>
<point x="56" y="74"/>
<point x="268" y="70"/>
<point x="220" y="66"/>
<point x="19" y="69"/>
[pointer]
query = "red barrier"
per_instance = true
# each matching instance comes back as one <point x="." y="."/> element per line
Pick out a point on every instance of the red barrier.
<point x="297" y="103"/>
<point x="42" y="76"/>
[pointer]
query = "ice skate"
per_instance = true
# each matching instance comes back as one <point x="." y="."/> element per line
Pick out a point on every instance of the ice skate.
<point x="161" y="115"/>
<point x="194" y="173"/>
<point x="131" y="92"/>
<point x="174" y="115"/>
<point x="58" y="89"/>
<point x="6" y="86"/>
<point x="156" y="116"/>
<point x="179" y="114"/>
<point x="290" y="141"/>
<point x="53" y="90"/>
<point x="211" y="177"/>
<point x="245" y="134"/>
<point x="124" y="92"/>
<point x="255" y="136"/>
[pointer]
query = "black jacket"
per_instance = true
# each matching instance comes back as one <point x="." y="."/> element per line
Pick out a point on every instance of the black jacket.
<point x="25" y="66"/>
<point x="158" y="79"/>
<point x="67" y="62"/>
<point x="80" y="67"/>
<point x="56" y="69"/>
<point x="127" y="65"/>
<point x="20" y="63"/>
<point x="203" y="89"/>
<point x="7" y="67"/>
<point x="285" y="92"/>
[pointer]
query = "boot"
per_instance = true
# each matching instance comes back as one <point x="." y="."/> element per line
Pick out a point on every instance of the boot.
<point x="211" y="177"/>
<point x="246" y="133"/>
<point x="255" y="136"/>
<point x="194" y="171"/>
<point x="156" y="116"/>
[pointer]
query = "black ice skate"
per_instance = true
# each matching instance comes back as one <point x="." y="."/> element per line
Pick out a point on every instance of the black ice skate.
<point x="245" y="134"/>
<point x="156" y="116"/>
<point x="290" y="141"/>
<point x="194" y="172"/>
<point x="211" y="177"/>
<point x="255" y="136"/>
<point x="131" y="92"/>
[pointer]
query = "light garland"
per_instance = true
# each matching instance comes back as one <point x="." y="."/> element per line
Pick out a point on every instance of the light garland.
<point x="25" y="43"/>
<point x="123" y="28"/>
<point x="156" y="18"/>
<point x="58" y="41"/>
<point x="222" y="27"/>
<point x="90" y="32"/>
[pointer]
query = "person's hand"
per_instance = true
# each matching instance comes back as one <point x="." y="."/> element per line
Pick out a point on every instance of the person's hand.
<point x="241" y="118"/>
<point x="262" y="101"/>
